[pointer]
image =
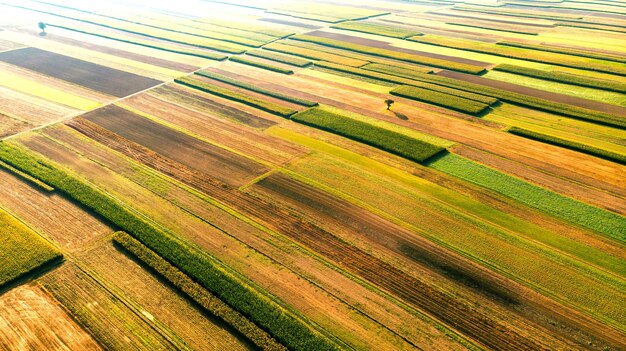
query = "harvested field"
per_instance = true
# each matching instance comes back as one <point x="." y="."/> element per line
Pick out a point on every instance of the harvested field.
<point x="30" y="109"/>
<point x="10" y="126"/>
<point x="31" y="320"/>
<point x="203" y="157"/>
<point x="103" y="79"/>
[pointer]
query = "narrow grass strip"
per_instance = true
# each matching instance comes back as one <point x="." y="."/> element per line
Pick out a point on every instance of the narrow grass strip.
<point x="26" y="177"/>
<point x="608" y="223"/>
<point x="384" y="139"/>
<point x="441" y="99"/>
<point x="405" y="81"/>
<point x="378" y="29"/>
<point x="197" y="293"/>
<point x="149" y="44"/>
<point x="263" y="309"/>
<point x="568" y="144"/>
<point x="260" y="65"/>
<point x="563" y="77"/>
<point x="274" y="56"/>
<point x="236" y="96"/>
<point x="567" y="51"/>
<point x="256" y="88"/>
<point x="424" y="60"/>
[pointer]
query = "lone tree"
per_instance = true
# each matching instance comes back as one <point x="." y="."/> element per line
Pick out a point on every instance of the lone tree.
<point x="42" y="26"/>
<point x="389" y="102"/>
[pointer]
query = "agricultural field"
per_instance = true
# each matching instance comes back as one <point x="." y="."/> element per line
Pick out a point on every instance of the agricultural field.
<point x="313" y="175"/>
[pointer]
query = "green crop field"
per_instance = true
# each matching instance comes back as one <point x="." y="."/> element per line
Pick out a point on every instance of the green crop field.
<point x="311" y="175"/>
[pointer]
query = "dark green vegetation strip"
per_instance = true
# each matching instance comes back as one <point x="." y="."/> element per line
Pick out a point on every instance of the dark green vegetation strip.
<point x="261" y="308"/>
<point x="236" y="96"/>
<point x="611" y="224"/>
<point x="26" y="177"/>
<point x="563" y="77"/>
<point x="149" y="44"/>
<point x="524" y="54"/>
<point x="256" y="88"/>
<point x="197" y="293"/>
<point x="495" y="27"/>
<point x="424" y="60"/>
<point x="404" y="81"/>
<point x="592" y="26"/>
<point x="525" y="100"/>
<point x="440" y="99"/>
<point x="274" y="56"/>
<point x="22" y="251"/>
<point x="260" y="65"/>
<point x="567" y="51"/>
<point x="572" y="145"/>
<point x="314" y="54"/>
<point x="384" y="139"/>
<point x="377" y="28"/>
<point x="399" y="71"/>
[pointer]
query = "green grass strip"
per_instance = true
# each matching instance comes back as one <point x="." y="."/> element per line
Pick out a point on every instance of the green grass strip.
<point x="260" y="65"/>
<point x="149" y="44"/>
<point x="382" y="138"/>
<point x="404" y="81"/>
<point x="567" y="51"/>
<point x="563" y="77"/>
<point x="264" y="310"/>
<point x="424" y="60"/>
<point x="524" y="54"/>
<point x="197" y="293"/>
<point x="568" y="144"/>
<point x="236" y="96"/>
<point x="256" y="88"/>
<point x="441" y="99"/>
<point x="608" y="223"/>
<point x="377" y="28"/>
<point x="26" y="177"/>
<point x="274" y="56"/>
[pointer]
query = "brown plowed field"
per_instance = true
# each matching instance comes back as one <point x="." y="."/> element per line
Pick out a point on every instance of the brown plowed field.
<point x="205" y="102"/>
<point x="561" y="98"/>
<point x="10" y="126"/>
<point x="31" y="109"/>
<point x="412" y="290"/>
<point x="99" y="78"/>
<point x="116" y="52"/>
<point x="214" y="161"/>
<point x="31" y="320"/>
<point x="63" y="221"/>
<point x="211" y="127"/>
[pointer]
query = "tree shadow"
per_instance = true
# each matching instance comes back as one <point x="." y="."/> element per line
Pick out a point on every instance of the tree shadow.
<point x="43" y="34"/>
<point x="401" y="116"/>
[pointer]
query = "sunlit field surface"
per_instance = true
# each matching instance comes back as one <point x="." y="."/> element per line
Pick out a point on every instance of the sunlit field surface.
<point x="313" y="175"/>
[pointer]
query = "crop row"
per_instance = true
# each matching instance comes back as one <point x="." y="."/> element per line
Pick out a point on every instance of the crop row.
<point x="235" y="96"/>
<point x="568" y="144"/>
<point x="567" y="51"/>
<point x="148" y="44"/>
<point x="315" y="54"/>
<point x="326" y="12"/>
<point x="246" y="61"/>
<point x="382" y="138"/>
<point x="592" y="26"/>
<point x="21" y="250"/>
<point x="611" y="224"/>
<point x="404" y="81"/>
<point x="440" y="99"/>
<point x="247" y="26"/>
<point x="399" y="71"/>
<point x="377" y="28"/>
<point x="514" y="13"/>
<point x="281" y="322"/>
<point x="499" y="28"/>
<point x="526" y="100"/>
<point x="197" y="293"/>
<point x="291" y="60"/>
<point x="151" y="32"/>
<point x="563" y="77"/>
<point x="256" y="88"/>
<point x="524" y="54"/>
<point x="401" y="56"/>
